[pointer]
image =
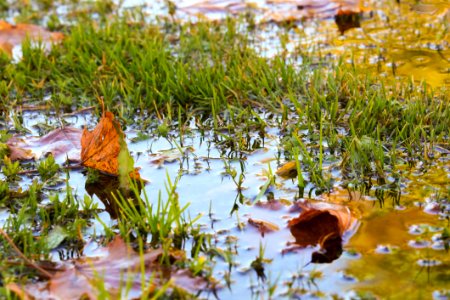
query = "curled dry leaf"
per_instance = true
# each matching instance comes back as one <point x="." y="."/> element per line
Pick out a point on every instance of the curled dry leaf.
<point x="62" y="143"/>
<point x="122" y="273"/>
<point x="14" y="35"/>
<point x="322" y="224"/>
<point x="101" y="147"/>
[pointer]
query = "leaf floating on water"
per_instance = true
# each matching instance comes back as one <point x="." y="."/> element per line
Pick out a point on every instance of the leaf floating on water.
<point x="324" y="226"/>
<point x="62" y="143"/>
<point x="18" y="153"/>
<point x="346" y="20"/>
<point x="14" y="35"/>
<point x="263" y="226"/>
<point x="288" y="170"/>
<point x="295" y="10"/>
<point x="273" y="204"/>
<point x="122" y="273"/>
<point x="103" y="147"/>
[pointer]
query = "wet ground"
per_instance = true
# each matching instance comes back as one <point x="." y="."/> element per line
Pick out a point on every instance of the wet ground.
<point x="399" y="242"/>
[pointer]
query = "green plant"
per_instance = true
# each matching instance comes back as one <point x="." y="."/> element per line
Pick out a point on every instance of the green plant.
<point x="164" y="220"/>
<point x="11" y="169"/>
<point x="48" y="168"/>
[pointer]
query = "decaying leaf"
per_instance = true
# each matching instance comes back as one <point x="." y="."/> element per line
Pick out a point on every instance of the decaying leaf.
<point x="346" y="20"/>
<point x="102" y="148"/>
<point x="121" y="274"/>
<point x="322" y="224"/>
<point x="288" y="170"/>
<point x="62" y="143"/>
<point x="273" y="204"/>
<point x="18" y="153"/>
<point x="263" y="226"/>
<point x="14" y="35"/>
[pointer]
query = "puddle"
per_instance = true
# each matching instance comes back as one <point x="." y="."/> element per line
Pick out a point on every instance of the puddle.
<point x="388" y="240"/>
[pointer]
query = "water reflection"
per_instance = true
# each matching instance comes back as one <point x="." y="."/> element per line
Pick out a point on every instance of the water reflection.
<point x="107" y="189"/>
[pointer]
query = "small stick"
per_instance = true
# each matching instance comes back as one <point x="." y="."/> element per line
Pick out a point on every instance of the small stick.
<point x="81" y="110"/>
<point x="28" y="261"/>
<point x="33" y="171"/>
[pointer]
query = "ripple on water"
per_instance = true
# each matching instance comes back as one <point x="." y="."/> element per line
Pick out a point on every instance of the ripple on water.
<point x="385" y="249"/>
<point x="416" y="229"/>
<point x="441" y="295"/>
<point x="419" y="243"/>
<point x="428" y="262"/>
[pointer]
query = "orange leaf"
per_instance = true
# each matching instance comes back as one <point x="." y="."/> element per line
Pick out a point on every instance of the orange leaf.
<point x="288" y="170"/>
<point x="322" y="226"/>
<point x="100" y="147"/>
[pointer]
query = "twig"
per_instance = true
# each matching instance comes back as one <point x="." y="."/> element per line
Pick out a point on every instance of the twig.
<point x="28" y="261"/>
<point x="81" y="110"/>
<point x="33" y="171"/>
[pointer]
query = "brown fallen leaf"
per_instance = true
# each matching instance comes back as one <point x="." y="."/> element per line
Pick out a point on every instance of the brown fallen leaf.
<point x="121" y="273"/>
<point x="101" y="147"/>
<point x="346" y="20"/>
<point x="288" y="170"/>
<point x="263" y="226"/>
<point x="272" y="204"/>
<point x="14" y="35"/>
<point x="62" y="143"/>
<point x="322" y="224"/>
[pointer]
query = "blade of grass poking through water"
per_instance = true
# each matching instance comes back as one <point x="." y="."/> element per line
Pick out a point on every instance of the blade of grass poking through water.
<point x="300" y="179"/>
<point x="270" y="180"/>
<point x="140" y="215"/>
<point x="320" y="144"/>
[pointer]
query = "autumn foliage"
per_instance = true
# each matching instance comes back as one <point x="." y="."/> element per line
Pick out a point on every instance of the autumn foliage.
<point x="101" y="147"/>
<point x="324" y="226"/>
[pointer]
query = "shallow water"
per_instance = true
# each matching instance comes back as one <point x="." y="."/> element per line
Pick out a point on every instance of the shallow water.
<point x="392" y="242"/>
<point x="408" y="39"/>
